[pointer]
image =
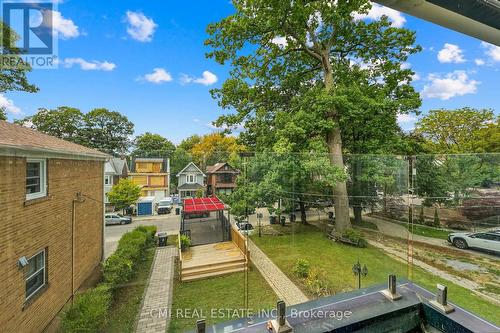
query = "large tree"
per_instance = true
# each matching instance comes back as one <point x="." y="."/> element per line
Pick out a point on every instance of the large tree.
<point x="465" y="130"/>
<point x="108" y="131"/>
<point x="12" y="78"/>
<point x="152" y="145"/>
<point x="311" y="56"/>
<point x="124" y="194"/>
<point x="214" y="148"/>
<point x="63" y="122"/>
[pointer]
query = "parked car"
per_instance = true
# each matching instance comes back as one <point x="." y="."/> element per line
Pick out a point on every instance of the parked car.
<point x="165" y="206"/>
<point x="486" y="240"/>
<point x="115" y="218"/>
<point x="245" y="228"/>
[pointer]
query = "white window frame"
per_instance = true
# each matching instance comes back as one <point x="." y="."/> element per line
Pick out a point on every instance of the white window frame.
<point x="37" y="272"/>
<point x="188" y="180"/>
<point x="43" y="178"/>
<point x="107" y="180"/>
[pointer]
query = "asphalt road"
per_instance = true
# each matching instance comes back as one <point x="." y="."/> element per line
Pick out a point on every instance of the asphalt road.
<point x="169" y="223"/>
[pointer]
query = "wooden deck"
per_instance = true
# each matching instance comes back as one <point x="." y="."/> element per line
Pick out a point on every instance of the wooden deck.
<point x="209" y="260"/>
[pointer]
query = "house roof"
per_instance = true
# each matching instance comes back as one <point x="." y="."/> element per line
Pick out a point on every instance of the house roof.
<point x="148" y="159"/>
<point x="191" y="187"/>
<point x="196" y="205"/>
<point x="116" y="165"/>
<point x="190" y="163"/>
<point x="15" y="138"/>
<point x="217" y="166"/>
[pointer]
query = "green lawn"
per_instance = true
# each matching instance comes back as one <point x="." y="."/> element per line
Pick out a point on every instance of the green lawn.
<point x="426" y="231"/>
<point x="128" y="301"/>
<point x="218" y="294"/>
<point x="336" y="260"/>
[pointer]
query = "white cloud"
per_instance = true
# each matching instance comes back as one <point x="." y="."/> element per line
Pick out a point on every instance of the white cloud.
<point x="479" y="62"/>
<point x="415" y="77"/>
<point x="207" y="78"/>
<point x="406" y="118"/>
<point x="452" y="84"/>
<point x="8" y="105"/>
<point x="140" y="27"/>
<point x="158" y="76"/>
<point x="451" y="53"/>
<point x="65" y="28"/>
<point x="377" y="11"/>
<point x="280" y="41"/>
<point x="89" y="65"/>
<point x="492" y="51"/>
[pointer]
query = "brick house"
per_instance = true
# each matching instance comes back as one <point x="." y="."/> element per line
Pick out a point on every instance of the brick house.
<point x="153" y="175"/>
<point x="221" y="178"/>
<point x="51" y="225"/>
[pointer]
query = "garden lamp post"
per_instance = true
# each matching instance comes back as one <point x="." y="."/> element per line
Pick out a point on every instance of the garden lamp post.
<point x="359" y="272"/>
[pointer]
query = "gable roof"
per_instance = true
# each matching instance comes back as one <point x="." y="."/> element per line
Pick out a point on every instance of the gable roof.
<point x="15" y="138"/>
<point x="191" y="163"/>
<point x="217" y="166"/>
<point x="115" y="166"/>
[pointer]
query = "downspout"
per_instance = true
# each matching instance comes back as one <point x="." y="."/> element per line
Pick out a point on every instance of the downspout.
<point x="78" y="199"/>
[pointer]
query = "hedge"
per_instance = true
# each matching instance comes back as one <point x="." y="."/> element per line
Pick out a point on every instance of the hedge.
<point x="90" y="310"/>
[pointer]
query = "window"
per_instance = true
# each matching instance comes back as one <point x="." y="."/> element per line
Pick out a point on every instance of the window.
<point x="36" y="178"/>
<point x="107" y="180"/>
<point x="35" y="273"/>
<point x="190" y="178"/>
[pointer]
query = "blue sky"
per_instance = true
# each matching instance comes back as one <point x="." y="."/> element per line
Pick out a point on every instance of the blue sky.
<point x="146" y="59"/>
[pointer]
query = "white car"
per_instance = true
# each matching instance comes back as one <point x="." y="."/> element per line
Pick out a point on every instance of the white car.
<point x="245" y="228"/>
<point x="485" y="240"/>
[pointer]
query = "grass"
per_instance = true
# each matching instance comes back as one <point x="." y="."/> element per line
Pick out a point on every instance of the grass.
<point x="426" y="231"/>
<point x="364" y="224"/>
<point x="336" y="261"/>
<point x="221" y="293"/>
<point x="128" y="301"/>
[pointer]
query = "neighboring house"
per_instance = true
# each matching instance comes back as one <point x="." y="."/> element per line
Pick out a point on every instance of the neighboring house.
<point x="221" y="178"/>
<point x="152" y="175"/>
<point x="190" y="180"/>
<point x="114" y="170"/>
<point x="52" y="225"/>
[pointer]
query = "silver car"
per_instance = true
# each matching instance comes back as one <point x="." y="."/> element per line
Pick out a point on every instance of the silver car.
<point x="485" y="240"/>
<point x="115" y="218"/>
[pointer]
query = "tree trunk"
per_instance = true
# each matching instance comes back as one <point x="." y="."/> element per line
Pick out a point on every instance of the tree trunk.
<point x="357" y="214"/>
<point x="340" y="198"/>
<point x="303" y="217"/>
<point x="334" y="142"/>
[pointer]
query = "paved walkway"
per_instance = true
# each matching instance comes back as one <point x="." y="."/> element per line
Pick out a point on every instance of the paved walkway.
<point x="158" y="298"/>
<point x="284" y="288"/>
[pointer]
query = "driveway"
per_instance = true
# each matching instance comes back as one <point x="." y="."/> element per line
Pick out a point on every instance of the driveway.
<point x="169" y="223"/>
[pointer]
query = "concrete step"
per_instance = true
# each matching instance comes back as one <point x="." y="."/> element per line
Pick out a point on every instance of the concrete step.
<point x="210" y="274"/>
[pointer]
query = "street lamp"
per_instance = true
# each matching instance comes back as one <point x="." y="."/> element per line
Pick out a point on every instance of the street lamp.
<point x="359" y="272"/>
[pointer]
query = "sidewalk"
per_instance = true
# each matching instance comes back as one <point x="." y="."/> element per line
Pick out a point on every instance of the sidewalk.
<point x="284" y="288"/>
<point x="154" y="317"/>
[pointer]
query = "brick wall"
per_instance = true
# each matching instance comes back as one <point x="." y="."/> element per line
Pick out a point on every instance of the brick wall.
<point x="28" y="227"/>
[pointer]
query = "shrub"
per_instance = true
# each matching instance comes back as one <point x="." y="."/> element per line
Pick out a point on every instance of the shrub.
<point x="302" y="268"/>
<point x="89" y="311"/>
<point x="318" y="283"/>
<point x="117" y="269"/>
<point x="185" y="242"/>
<point x="355" y="236"/>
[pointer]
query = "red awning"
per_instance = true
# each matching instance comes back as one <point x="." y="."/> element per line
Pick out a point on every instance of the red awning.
<point x="199" y="205"/>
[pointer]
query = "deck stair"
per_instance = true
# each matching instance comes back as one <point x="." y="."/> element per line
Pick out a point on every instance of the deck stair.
<point x="209" y="260"/>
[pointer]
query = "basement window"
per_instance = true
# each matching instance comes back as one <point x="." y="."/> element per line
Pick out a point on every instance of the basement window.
<point x="36" y="178"/>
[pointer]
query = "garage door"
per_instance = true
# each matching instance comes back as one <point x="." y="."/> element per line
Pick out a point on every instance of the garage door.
<point x="145" y="208"/>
